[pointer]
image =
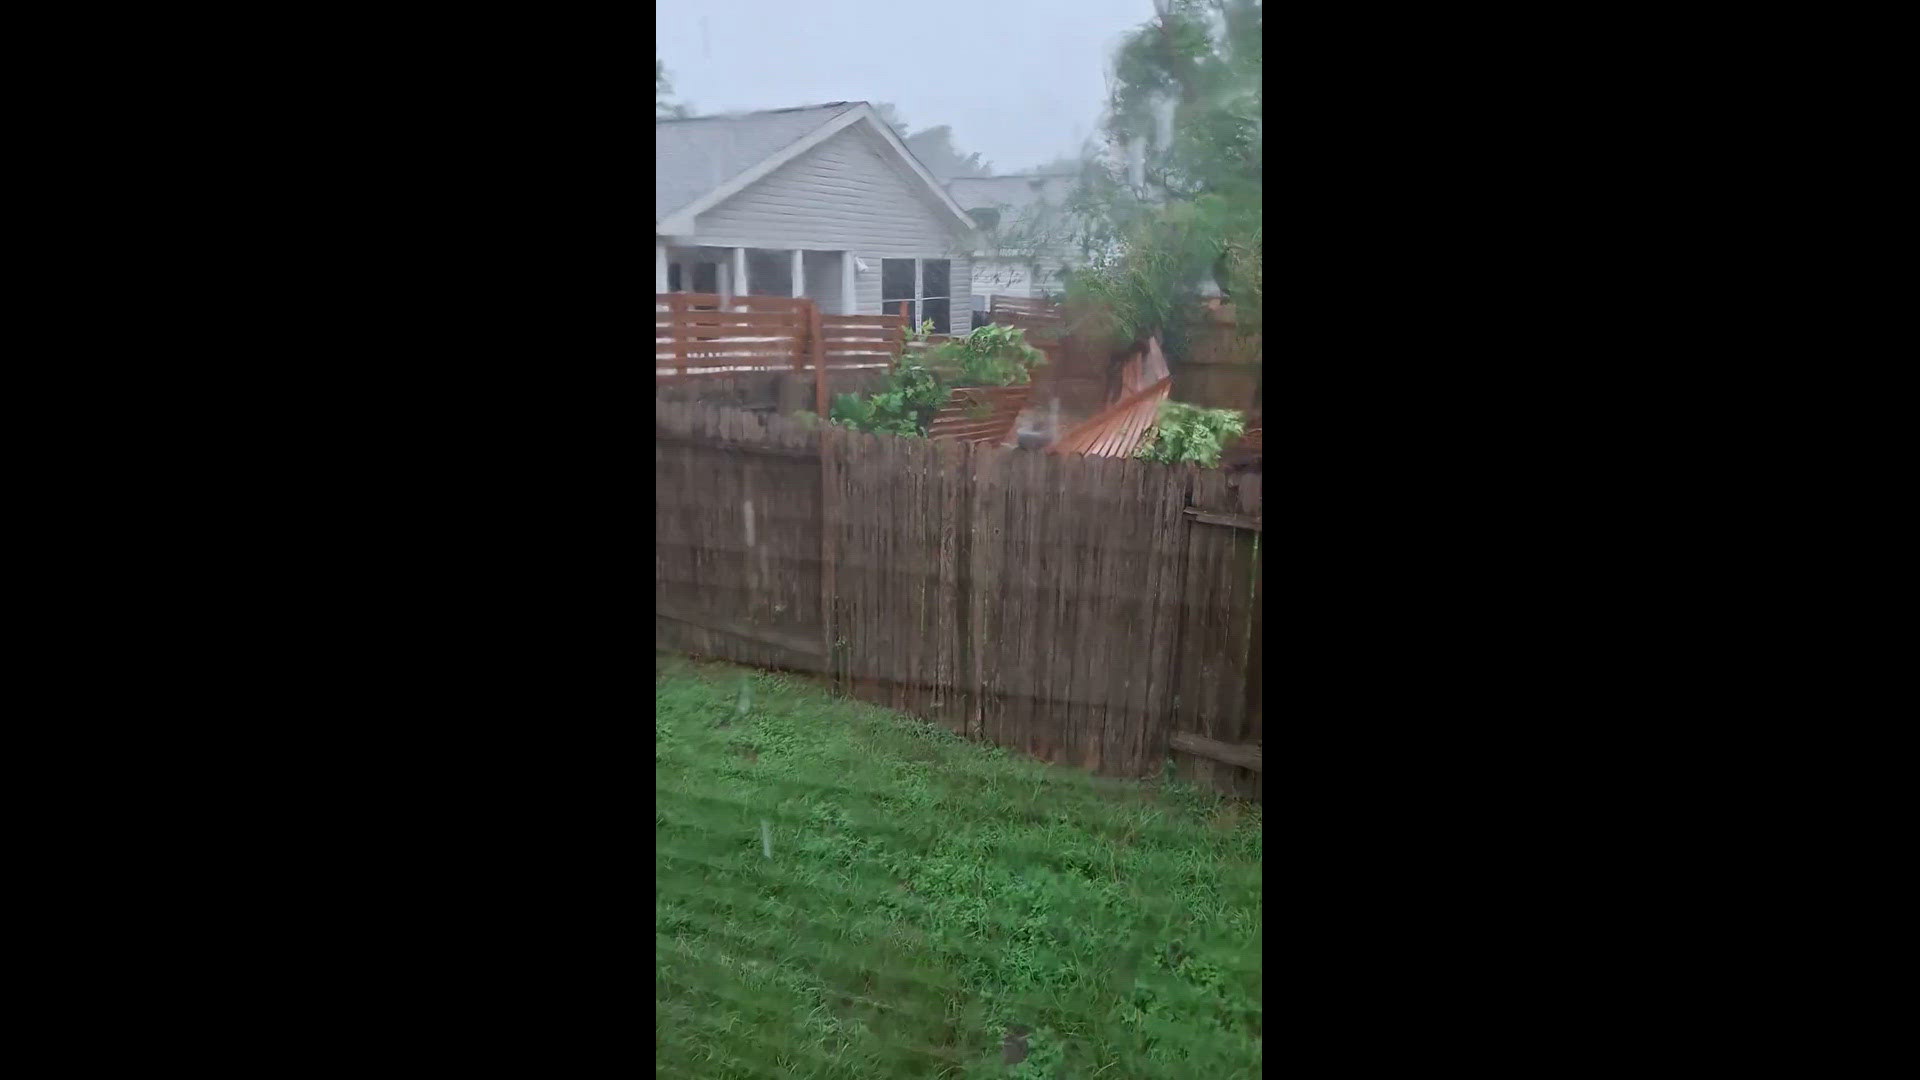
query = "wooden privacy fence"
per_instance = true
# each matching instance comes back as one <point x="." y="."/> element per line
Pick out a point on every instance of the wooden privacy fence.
<point x="702" y="334"/>
<point x="1097" y="612"/>
<point x="1025" y="312"/>
<point x="1222" y="368"/>
<point x="698" y="332"/>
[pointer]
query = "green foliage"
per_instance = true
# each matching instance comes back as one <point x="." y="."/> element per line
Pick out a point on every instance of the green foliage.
<point x="912" y="395"/>
<point x="994" y="355"/>
<point x="1188" y="433"/>
<point x="926" y="895"/>
<point x="1186" y="97"/>
<point x="990" y="356"/>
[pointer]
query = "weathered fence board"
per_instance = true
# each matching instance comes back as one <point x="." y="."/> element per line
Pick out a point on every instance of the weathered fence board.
<point x="1064" y="606"/>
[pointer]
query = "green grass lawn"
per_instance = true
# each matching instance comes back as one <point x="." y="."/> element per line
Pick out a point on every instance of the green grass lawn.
<point x="932" y="907"/>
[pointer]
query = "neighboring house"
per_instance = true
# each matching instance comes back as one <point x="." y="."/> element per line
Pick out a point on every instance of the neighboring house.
<point x="823" y="201"/>
<point x="1028" y="211"/>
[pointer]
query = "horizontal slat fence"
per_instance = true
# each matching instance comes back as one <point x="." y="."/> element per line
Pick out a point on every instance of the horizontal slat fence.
<point x="980" y="413"/>
<point x="861" y="339"/>
<point x="701" y="334"/>
<point x="1081" y="610"/>
<point x="1042" y="312"/>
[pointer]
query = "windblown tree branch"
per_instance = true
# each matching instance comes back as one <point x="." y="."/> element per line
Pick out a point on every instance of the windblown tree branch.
<point x="1178" y="205"/>
<point x="662" y="90"/>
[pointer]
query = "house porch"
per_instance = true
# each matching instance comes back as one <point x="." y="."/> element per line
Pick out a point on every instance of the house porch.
<point x="825" y="277"/>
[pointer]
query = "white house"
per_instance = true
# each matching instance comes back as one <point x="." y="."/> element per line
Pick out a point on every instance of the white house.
<point x="1030" y="210"/>
<point x="823" y="201"/>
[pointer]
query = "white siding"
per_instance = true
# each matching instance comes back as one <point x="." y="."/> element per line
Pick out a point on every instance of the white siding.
<point x="866" y="290"/>
<point x="845" y="194"/>
<point x="823" y="280"/>
<point x="1016" y="277"/>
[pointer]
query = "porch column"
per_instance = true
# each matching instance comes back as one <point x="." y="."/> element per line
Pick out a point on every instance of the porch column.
<point x="725" y="274"/>
<point x="660" y="283"/>
<point x="799" y="274"/>
<point x="847" y="304"/>
<point x="740" y="272"/>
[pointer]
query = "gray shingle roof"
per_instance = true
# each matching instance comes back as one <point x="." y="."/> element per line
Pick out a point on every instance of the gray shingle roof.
<point x="692" y="157"/>
<point x="1014" y="192"/>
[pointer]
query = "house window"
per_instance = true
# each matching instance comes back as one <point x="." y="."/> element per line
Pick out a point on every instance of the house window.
<point x="896" y="285"/>
<point x="936" y="293"/>
<point x="673" y="277"/>
<point x="926" y="290"/>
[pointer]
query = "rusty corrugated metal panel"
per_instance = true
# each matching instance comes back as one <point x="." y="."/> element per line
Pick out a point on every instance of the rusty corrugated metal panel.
<point x="1117" y="430"/>
<point x="1142" y="369"/>
<point x="979" y="413"/>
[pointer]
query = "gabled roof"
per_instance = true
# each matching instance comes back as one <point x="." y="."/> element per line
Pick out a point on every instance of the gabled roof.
<point x="695" y="156"/>
<point x="1011" y="198"/>
<point x="702" y="161"/>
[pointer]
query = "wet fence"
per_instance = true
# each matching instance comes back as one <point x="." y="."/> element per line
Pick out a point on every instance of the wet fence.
<point x="1095" y="612"/>
<point x="751" y="347"/>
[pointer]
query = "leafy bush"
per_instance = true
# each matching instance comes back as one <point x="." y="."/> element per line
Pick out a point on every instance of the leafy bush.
<point x="912" y="395"/>
<point x="1189" y="433"/>
<point x="990" y="356"/>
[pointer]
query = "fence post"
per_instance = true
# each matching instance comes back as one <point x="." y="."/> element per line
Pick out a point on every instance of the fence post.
<point x="676" y="310"/>
<point x="900" y="343"/>
<point x="800" y="345"/>
<point x="1251" y="725"/>
<point x="818" y="347"/>
<point x="827" y="520"/>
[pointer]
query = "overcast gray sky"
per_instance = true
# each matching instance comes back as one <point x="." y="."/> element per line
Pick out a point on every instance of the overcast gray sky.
<point x="1020" y="81"/>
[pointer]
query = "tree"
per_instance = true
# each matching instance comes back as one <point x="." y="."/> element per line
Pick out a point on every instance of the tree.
<point x="934" y="147"/>
<point x="890" y="116"/>
<point x="1178" y="205"/>
<point x="662" y="90"/>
